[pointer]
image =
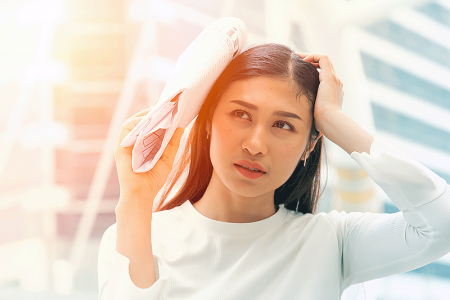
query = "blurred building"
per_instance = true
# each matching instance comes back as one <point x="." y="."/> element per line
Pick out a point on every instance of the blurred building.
<point x="406" y="59"/>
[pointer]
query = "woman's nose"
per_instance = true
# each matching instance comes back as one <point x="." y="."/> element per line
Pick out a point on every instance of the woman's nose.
<point x="256" y="142"/>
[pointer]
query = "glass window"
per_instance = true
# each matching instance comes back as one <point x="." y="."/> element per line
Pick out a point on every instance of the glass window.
<point x="437" y="12"/>
<point x="411" y="41"/>
<point x="396" y="78"/>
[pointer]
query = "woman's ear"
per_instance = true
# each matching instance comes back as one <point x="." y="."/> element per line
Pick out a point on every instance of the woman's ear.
<point x="313" y="145"/>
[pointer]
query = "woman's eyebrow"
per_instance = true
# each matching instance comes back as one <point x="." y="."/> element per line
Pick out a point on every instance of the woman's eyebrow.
<point x="276" y="113"/>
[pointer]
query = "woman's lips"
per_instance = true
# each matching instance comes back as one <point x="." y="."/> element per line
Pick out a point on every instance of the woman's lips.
<point x="251" y="165"/>
<point x="249" y="173"/>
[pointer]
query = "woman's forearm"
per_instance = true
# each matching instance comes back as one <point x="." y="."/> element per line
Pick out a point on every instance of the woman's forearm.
<point x="329" y="117"/>
<point x="134" y="238"/>
<point x="339" y="128"/>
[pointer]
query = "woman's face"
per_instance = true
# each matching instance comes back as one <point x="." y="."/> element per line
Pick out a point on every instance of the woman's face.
<point x="255" y="120"/>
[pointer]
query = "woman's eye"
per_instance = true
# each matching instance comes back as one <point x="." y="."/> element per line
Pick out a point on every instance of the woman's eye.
<point x="289" y="127"/>
<point x="240" y="113"/>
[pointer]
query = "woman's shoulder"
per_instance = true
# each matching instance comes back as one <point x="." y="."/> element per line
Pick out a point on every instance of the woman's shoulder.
<point x="334" y="220"/>
<point x="168" y="214"/>
<point x="317" y="219"/>
<point x="110" y="232"/>
<point x="314" y="216"/>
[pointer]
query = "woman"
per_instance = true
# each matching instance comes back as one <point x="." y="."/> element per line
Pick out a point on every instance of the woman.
<point x="235" y="233"/>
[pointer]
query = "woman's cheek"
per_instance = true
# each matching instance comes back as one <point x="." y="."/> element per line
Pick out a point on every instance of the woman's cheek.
<point x="293" y="155"/>
<point x="226" y="130"/>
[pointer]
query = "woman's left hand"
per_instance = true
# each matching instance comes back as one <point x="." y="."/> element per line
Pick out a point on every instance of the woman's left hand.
<point x="329" y="118"/>
<point x="330" y="94"/>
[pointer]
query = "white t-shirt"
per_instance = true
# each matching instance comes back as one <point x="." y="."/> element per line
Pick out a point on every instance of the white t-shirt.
<point x="292" y="255"/>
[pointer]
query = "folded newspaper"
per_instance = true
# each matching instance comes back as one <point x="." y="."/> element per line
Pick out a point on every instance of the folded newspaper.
<point x="195" y="72"/>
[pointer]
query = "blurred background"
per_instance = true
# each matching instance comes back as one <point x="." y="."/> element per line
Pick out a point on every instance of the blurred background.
<point x="71" y="71"/>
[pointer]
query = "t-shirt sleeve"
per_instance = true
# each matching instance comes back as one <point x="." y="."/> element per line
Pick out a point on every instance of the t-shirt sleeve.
<point x="375" y="245"/>
<point x="114" y="280"/>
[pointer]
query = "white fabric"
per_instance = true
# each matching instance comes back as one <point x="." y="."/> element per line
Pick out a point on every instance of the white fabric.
<point x="292" y="255"/>
<point x="195" y="72"/>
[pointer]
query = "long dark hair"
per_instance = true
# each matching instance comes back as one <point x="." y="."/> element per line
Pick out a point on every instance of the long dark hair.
<point x="301" y="191"/>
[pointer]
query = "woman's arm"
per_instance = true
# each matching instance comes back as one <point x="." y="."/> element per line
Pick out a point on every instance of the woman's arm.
<point x="114" y="280"/>
<point x="328" y="115"/>
<point x="344" y="132"/>
<point x="375" y="245"/>
<point x="134" y="237"/>
<point x="134" y="218"/>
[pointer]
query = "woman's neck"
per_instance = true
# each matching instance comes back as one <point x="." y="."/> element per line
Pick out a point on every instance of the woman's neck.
<point x="221" y="204"/>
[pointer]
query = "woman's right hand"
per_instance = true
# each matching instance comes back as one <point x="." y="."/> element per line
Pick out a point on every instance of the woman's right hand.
<point x="144" y="185"/>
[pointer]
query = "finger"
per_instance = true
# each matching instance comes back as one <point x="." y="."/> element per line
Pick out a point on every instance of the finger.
<point x="322" y="59"/>
<point x="313" y="57"/>
<point x="142" y="112"/>
<point x="170" y="152"/>
<point x="305" y="55"/>
<point x="139" y="114"/>
<point x="302" y="55"/>
<point x="126" y="128"/>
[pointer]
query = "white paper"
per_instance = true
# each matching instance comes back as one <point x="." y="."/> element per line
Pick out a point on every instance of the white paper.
<point x="195" y="72"/>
